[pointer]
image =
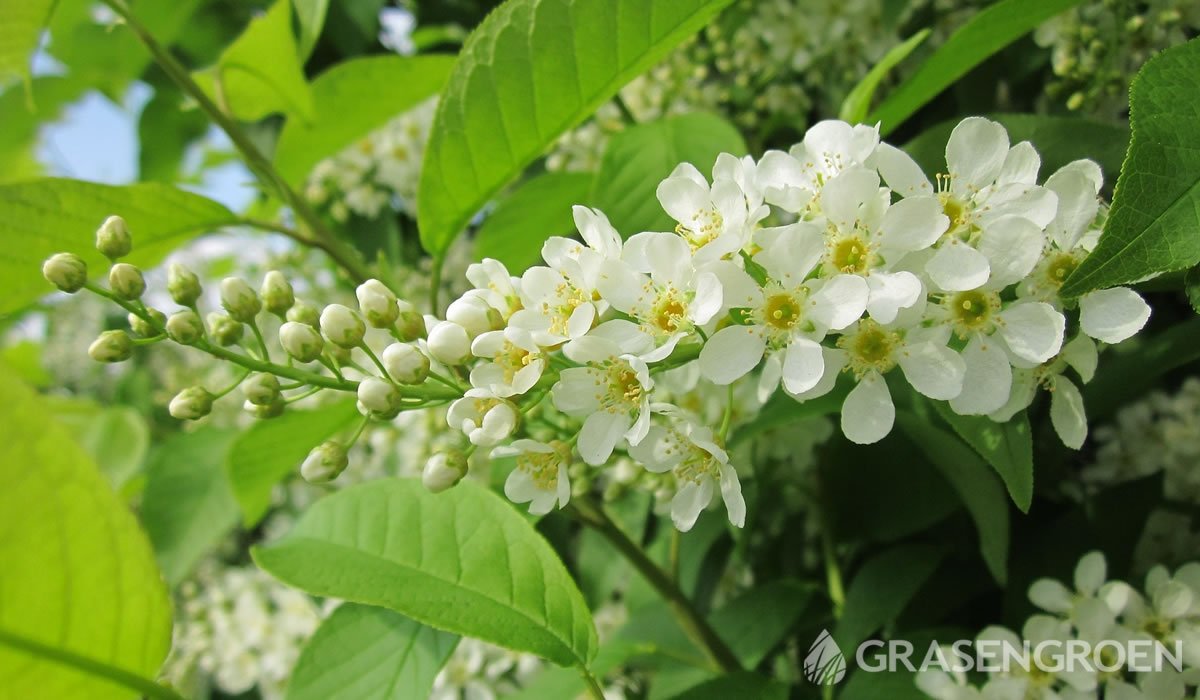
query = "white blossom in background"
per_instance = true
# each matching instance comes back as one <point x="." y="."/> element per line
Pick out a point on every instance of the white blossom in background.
<point x="478" y="670"/>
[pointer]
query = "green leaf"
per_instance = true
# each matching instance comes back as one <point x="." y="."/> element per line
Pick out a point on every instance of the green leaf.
<point x="1191" y="284"/>
<point x="984" y="34"/>
<point x="116" y="437"/>
<point x="19" y="35"/>
<point x="188" y="507"/>
<point x="353" y="99"/>
<point x="311" y="14"/>
<point x="83" y="603"/>
<point x="881" y="589"/>
<point x="165" y="130"/>
<point x="272" y="449"/>
<point x="366" y="653"/>
<point x="529" y="72"/>
<point x="1154" y="223"/>
<point x="975" y="483"/>
<point x="260" y="73"/>
<point x="1129" y="372"/>
<point x="464" y="561"/>
<point x="640" y="157"/>
<point x="536" y="210"/>
<point x="858" y="102"/>
<point x="1008" y="447"/>
<point x="743" y="684"/>
<point x="42" y="217"/>
<point x="781" y="410"/>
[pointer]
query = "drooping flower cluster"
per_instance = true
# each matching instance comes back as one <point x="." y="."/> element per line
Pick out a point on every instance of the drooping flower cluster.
<point x="1101" y="613"/>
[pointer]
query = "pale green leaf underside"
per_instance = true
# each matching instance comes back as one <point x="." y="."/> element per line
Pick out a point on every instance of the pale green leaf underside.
<point x="41" y="217"/>
<point x="362" y="652"/>
<point x="20" y="30"/>
<point x="463" y="561"/>
<point x="78" y="575"/>
<point x="353" y="99"/>
<point x="532" y="70"/>
<point x="1007" y="446"/>
<point x="1154" y="224"/>
<point x="538" y="209"/>
<point x="858" y="102"/>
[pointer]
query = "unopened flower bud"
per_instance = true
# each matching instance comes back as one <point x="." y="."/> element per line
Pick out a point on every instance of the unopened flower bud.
<point x="444" y="470"/>
<point x="126" y="281"/>
<point x="306" y="314"/>
<point x="449" y="344"/>
<point x="261" y="389"/>
<point x="144" y="329"/>
<point x="239" y="300"/>
<point x="277" y="293"/>
<point x="273" y="409"/>
<point x="301" y="341"/>
<point x="224" y="330"/>
<point x="410" y="325"/>
<point x="377" y="303"/>
<point x="324" y="463"/>
<point x="185" y="327"/>
<point x="342" y="326"/>
<point x="113" y="239"/>
<point x="474" y="314"/>
<point x="66" y="271"/>
<point x="183" y="285"/>
<point x="111" y="346"/>
<point x="405" y="363"/>
<point x="192" y="403"/>
<point x="378" y="395"/>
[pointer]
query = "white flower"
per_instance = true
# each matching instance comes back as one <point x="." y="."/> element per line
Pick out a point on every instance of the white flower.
<point x="540" y="477"/>
<point x="484" y="418"/>
<point x="515" y="362"/>
<point x="474" y="313"/>
<point x="792" y="180"/>
<point x="449" y="343"/>
<point x="500" y="289"/>
<point x="405" y="363"/>
<point x="342" y="326"/>
<point x="377" y="303"/>
<point x="715" y="220"/>
<point x="378" y="395"/>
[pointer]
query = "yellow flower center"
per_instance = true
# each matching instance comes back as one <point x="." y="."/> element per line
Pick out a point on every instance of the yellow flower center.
<point x="1059" y="268"/>
<point x="782" y="311"/>
<point x="871" y="347"/>
<point x="850" y="255"/>
<point x="542" y="467"/>
<point x="973" y="310"/>
<point x="706" y="224"/>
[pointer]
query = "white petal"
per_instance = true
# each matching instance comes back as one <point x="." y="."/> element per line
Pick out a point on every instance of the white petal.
<point x="1013" y="246"/>
<point x="621" y="286"/>
<point x="975" y="153"/>
<point x="576" y="391"/>
<point x="769" y="377"/>
<point x="1050" y="595"/>
<point x="683" y="198"/>
<point x="803" y="365"/>
<point x="731" y="493"/>
<point x="660" y="450"/>
<point x="1112" y="315"/>
<point x="840" y="301"/>
<point x="580" y="321"/>
<point x="868" y="412"/>
<point x="1033" y="330"/>
<point x="689" y="500"/>
<point x="669" y="258"/>
<point x="890" y="292"/>
<point x="596" y="231"/>
<point x="1077" y="206"/>
<point x="987" y="382"/>
<point x="738" y="289"/>
<point x="1067" y="413"/>
<point x="1090" y="573"/>
<point x="731" y="353"/>
<point x="600" y="434"/>
<point x="934" y="370"/>
<point x="1081" y="354"/>
<point x="901" y="172"/>
<point x="708" y="299"/>
<point x="957" y="267"/>
<point x="834" y="360"/>
<point x="844" y="194"/>
<point x="1021" y="164"/>
<point x="914" y="223"/>
<point x="793" y="253"/>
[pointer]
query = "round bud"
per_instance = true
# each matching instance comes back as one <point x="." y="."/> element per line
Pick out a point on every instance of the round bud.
<point x="111" y="346"/>
<point x="340" y="355"/>
<point x="405" y="363"/>
<point x="474" y="314"/>
<point x="224" y="330"/>
<point x="301" y="341"/>
<point x="342" y="326"/>
<point x="261" y="389"/>
<point x="410" y="324"/>
<point x="192" y="403"/>
<point x="113" y="239"/>
<point x="183" y="285"/>
<point x="324" y="463"/>
<point x="306" y="314"/>
<point x="126" y="281"/>
<point x="448" y="343"/>
<point x="377" y="303"/>
<point x="266" y="411"/>
<point x="142" y="329"/>
<point x="239" y="300"/>
<point x="66" y="271"/>
<point x="378" y="395"/>
<point x="443" y="470"/>
<point x="185" y="327"/>
<point x="277" y="293"/>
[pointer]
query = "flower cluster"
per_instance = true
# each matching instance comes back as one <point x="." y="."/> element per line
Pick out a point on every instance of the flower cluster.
<point x="1093" y="609"/>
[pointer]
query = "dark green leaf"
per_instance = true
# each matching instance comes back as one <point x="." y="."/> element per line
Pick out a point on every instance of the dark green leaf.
<point x="1129" y="372"/>
<point x="1008" y="447"/>
<point x="522" y="221"/>
<point x="743" y="684"/>
<point x="880" y="590"/>
<point x="858" y="103"/>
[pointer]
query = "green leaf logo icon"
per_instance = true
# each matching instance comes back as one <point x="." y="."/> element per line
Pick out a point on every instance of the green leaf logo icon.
<point x="824" y="664"/>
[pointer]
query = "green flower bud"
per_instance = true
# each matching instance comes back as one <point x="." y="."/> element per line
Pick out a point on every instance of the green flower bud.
<point x="142" y="329"/>
<point x="66" y="271"/>
<point x="113" y="239"/>
<point x="185" y="327"/>
<point x="444" y="470"/>
<point x="377" y="303"/>
<point x="324" y="463"/>
<point x="410" y="324"/>
<point x="301" y="341"/>
<point x="261" y="389"/>
<point x="277" y="293"/>
<point x="306" y="314"/>
<point x="239" y="300"/>
<point x="192" y="403"/>
<point x="224" y="330"/>
<point x="342" y="326"/>
<point x="111" y="346"/>
<point x="126" y="281"/>
<point x="378" y="395"/>
<point x="266" y="412"/>
<point x="183" y="285"/>
<point x="405" y="363"/>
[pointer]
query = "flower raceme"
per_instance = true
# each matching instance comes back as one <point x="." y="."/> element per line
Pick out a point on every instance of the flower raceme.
<point x="838" y="265"/>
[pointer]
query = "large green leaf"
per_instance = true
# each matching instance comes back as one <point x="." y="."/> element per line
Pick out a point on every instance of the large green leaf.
<point x="260" y="73"/>
<point x="363" y="652"/>
<point x="881" y="589"/>
<point x="1007" y="446"/>
<point x="637" y="159"/>
<point x="81" y="595"/>
<point x="858" y="102"/>
<point x="986" y="33"/>
<point x="1154" y="224"/>
<point x="266" y="453"/>
<point x="188" y="507"/>
<point x="532" y="70"/>
<point x="115" y="437"/>
<point x="19" y="35"/>
<point x="311" y="16"/>
<point x="351" y="100"/>
<point x="42" y="217"/>
<point x="538" y="209"/>
<point x="464" y="561"/>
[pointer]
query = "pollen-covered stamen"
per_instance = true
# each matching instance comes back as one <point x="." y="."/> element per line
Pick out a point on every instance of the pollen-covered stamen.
<point x="1058" y="268"/>
<point x="513" y="358"/>
<point x="697" y="466"/>
<point x="782" y="310"/>
<point x="568" y="297"/>
<point x="871" y="348"/>
<point x="973" y="312"/>
<point x="669" y="311"/>
<point x="955" y="209"/>
<point x="705" y="225"/>
<point x="850" y="255"/>
<point x="542" y="467"/>
<point x="621" y="389"/>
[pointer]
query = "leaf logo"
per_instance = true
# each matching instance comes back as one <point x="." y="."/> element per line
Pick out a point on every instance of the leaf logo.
<point x="824" y="664"/>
